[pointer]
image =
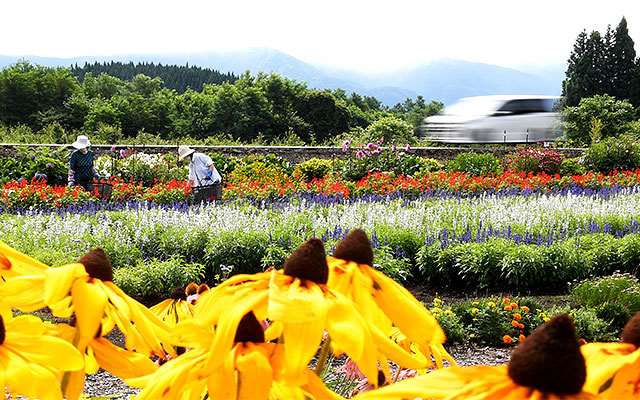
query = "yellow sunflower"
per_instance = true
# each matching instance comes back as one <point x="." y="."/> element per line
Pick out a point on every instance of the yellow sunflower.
<point x="384" y="303"/>
<point x="85" y="291"/>
<point x="548" y="365"/>
<point x="300" y="308"/>
<point x="250" y="371"/>
<point x="614" y="368"/>
<point x="31" y="360"/>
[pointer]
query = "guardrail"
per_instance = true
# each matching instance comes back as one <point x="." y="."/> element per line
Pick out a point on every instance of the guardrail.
<point x="294" y="153"/>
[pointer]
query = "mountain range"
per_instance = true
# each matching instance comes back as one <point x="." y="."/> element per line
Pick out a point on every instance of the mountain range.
<point x="445" y="80"/>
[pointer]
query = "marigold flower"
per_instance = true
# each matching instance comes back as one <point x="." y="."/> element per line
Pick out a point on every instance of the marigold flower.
<point x="506" y="301"/>
<point x="517" y="316"/>
<point x="515" y="324"/>
<point x="547" y="365"/>
<point x="521" y="338"/>
<point x="524" y="309"/>
<point x="514" y="305"/>
<point x="508" y="308"/>
<point x="506" y="339"/>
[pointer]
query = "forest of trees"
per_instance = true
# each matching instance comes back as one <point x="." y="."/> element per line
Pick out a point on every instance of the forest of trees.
<point x="266" y="106"/>
<point x="603" y="64"/>
<point x="177" y="77"/>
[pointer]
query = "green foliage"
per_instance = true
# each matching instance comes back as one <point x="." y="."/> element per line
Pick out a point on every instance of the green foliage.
<point x="613" y="116"/>
<point x="603" y="64"/>
<point x="154" y="279"/>
<point x="590" y="327"/>
<point x="621" y="153"/>
<point x="391" y="129"/>
<point x="414" y="112"/>
<point x="476" y="164"/>
<point x="26" y="162"/>
<point x="242" y="252"/>
<point x="621" y="289"/>
<point x="393" y="265"/>
<point x="571" y="166"/>
<point x="314" y="168"/>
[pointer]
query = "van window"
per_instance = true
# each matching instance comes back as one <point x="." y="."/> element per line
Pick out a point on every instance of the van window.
<point x="526" y="106"/>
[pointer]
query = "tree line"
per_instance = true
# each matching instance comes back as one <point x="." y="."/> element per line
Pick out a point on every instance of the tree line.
<point x="177" y="77"/>
<point x="244" y="108"/>
<point x="603" y="65"/>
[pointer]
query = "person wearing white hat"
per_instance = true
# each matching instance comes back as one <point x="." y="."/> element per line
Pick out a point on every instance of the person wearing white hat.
<point x="81" y="170"/>
<point x="202" y="172"/>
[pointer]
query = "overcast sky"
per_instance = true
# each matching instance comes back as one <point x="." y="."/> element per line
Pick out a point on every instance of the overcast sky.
<point x="365" y="35"/>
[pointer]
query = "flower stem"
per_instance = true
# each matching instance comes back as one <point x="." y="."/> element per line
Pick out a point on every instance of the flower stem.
<point x="324" y="355"/>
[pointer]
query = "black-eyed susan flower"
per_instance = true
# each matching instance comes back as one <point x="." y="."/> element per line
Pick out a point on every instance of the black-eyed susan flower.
<point x="31" y="360"/>
<point x="86" y="292"/>
<point x="177" y="307"/>
<point x="250" y="371"/>
<point x="385" y="304"/>
<point x="613" y="369"/>
<point x="300" y="309"/>
<point x="548" y="365"/>
<point x="13" y="263"/>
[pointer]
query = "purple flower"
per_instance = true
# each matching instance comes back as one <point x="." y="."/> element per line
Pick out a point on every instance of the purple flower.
<point x="360" y="154"/>
<point x="407" y="147"/>
<point x="381" y="141"/>
<point x="372" y="146"/>
<point x="123" y="153"/>
<point x="346" y="144"/>
<point x="113" y="148"/>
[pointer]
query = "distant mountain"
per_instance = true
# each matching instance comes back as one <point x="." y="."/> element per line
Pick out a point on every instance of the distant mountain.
<point x="446" y="80"/>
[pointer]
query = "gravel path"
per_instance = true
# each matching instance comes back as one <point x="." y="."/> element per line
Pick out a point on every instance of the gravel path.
<point x="103" y="385"/>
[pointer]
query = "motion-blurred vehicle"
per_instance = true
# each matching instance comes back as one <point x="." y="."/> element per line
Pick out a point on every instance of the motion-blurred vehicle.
<point x="496" y="119"/>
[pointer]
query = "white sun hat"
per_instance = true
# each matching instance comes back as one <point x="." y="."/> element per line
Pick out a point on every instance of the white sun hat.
<point x="82" y="142"/>
<point x="184" y="151"/>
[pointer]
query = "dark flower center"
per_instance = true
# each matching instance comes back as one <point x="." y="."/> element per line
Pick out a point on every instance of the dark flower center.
<point x="2" y="330"/>
<point x="178" y="294"/>
<point x="203" y="288"/>
<point x="97" y="265"/>
<point x="191" y="288"/>
<point x="249" y="330"/>
<point x="550" y="359"/>
<point x="631" y="332"/>
<point x="308" y="262"/>
<point x="355" y="247"/>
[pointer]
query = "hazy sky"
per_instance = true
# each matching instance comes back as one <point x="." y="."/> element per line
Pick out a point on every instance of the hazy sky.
<point x="366" y="35"/>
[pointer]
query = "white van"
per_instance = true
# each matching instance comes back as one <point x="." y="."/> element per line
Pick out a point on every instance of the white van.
<point x="496" y="119"/>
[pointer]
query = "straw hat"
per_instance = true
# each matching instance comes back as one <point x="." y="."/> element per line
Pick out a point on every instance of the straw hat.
<point x="82" y="142"/>
<point x="184" y="151"/>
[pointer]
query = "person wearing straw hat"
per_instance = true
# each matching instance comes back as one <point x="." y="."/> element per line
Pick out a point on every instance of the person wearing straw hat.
<point x="81" y="170"/>
<point x="202" y="172"/>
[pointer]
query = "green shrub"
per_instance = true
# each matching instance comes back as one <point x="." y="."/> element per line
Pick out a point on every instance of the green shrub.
<point x="623" y="289"/>
<point x="452" y="326"/>
<point x="391" y="129"/>
<point x="241" y="251"/>
<point x="571" y="166"/>
<point x="314" y="168"/>
<point x="621" y="153"/>
<point x="397" y="268"/>
<point x="153" y="280"/>
<point x="476" y="164"/>
<point x="614" y="314"/>
<point x="524" y="267"/>
<point x="429" y="165"/>
<point x="591" y="328"/>
<point x="275" y="256"/>
<point x="26" y="162"/>
<point x="535" y="160"/>
<point x="612" y="114"/>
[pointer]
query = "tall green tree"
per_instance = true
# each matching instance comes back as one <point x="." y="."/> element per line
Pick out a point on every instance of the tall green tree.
<point x="623" y="63"/>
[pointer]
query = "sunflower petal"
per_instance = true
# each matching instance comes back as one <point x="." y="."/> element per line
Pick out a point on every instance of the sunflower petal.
<point x="254" y="373"/>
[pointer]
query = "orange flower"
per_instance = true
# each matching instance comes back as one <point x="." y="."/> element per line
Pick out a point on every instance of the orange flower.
<point x="520" y="326"/>
<point x="517" y="316"/>
<point x="508" y="308"/>
<point x="506" y="339"/>
<point x="515" y="324"/>
<point x="521" y="338"/>
<point x="514" y="305"/>
<point x="524" y="308"/>
<point x="506" y="301"/>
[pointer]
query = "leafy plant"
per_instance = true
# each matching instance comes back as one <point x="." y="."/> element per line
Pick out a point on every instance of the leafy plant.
<point x="314" y="168"/>
<point x="621" y="153"/>
<point x="475" y="164"/>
